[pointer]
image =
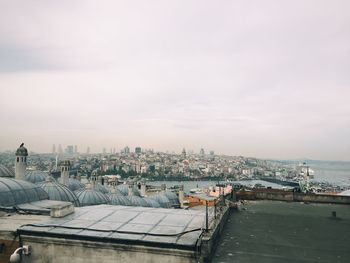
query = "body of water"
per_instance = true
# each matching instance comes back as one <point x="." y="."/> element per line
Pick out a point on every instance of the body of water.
<point x="188" y="185"/>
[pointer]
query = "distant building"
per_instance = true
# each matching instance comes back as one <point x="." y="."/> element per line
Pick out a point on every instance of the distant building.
<point x="126" y="150"/>
<point x="201" y="152"/>
<point x="104" y="151"/>
<point x="211" y="153"/>
<point x="88" y="150"/>
<point x="75" y="149"/>
<point x="138" y="150"/>
<point x="183" y="154"/>
<point x="53" y="149"/>
<point x="70" y="149"/>
<point x="60" y="151"/>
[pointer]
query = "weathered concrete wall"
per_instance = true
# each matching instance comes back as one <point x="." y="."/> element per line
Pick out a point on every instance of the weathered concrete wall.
<point x="297" y="197"/>
<point x="210" y="240"/>
<point x="8" y="244"/>
<point x="320" y="198"/>
<point x="57" y="250"/>
<point x="287" y="196"/>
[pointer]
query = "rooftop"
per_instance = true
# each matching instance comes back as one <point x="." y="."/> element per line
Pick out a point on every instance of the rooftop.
<point x="135" y="225"/>
<point x="272" y="231"/>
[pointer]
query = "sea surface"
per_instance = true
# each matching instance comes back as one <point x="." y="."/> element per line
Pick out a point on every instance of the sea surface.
<point x="337" y="173"/>
<point x="188" y="185"/>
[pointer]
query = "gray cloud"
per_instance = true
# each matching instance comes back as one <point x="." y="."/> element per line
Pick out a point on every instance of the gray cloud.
<point x="266" y="79"/>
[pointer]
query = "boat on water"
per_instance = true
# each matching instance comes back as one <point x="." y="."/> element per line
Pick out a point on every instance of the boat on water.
<point x="196" y="191"/>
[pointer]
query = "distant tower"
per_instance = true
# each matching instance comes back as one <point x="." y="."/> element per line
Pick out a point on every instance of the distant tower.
<point x="75" y="149"/>
<point x="126" y="150"/>
<point x="130" y="188"/>
<point x="183" y="153"/>
<point x="138" y="150"/>
<point x="143" y="187"/>
<point x="56" y="162"/>
<point x="201" y="152"/>
<point x="65" y="167"/>
<point x="21" y="162"/>
<point x="53" y="149"/>
<point x="60" y="151"/>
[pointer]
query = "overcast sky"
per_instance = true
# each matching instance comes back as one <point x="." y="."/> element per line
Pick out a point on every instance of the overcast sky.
<point x="268" y="79"/>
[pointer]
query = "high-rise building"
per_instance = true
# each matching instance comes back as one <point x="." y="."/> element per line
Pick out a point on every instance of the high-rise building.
<point x="211" y="153"/>
<point x="53" y="149"/>
<point x="138" y="150"/>
<point x="60" y="151"/>
<point x="104" y="151"/>
<point x="201" y="152"/>
<point x="70" y="149"/>
<point x="75" y="149"/>
<point x="126" y="150"/>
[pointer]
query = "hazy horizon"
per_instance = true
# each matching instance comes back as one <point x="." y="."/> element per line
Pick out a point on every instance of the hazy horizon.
<point x="266" y="79"/>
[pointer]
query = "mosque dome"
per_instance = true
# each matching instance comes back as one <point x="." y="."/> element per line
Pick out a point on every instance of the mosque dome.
<point x="58" y="191"/>
<point x="137" y="201"/>
<point x="123" y="188"/>
<point x="22" y="151"/>
<point x="74" y="184"/>
<point x="78" y="191"/>
<point x="6" y="172"/>
<point x="151" y="202"/>
<point x="35" y="176"/>
<point x="117" y="199"/>
<point x="89" y="197"/>
<point x="15" y="192"/>
<point x="101" y="188"/>
<point x="162" y="200"/>
<point x="174" y="200"/>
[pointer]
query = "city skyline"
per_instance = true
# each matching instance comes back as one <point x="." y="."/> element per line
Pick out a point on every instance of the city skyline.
<point x="267" y="80"/>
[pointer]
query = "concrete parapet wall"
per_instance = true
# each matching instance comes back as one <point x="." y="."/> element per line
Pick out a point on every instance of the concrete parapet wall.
<point x="210" y="239"/>
<point x="320" y="198"/>
<point x="60" y="250"/>
<point x="287" y="196"/>
<point x="296" y="197"/>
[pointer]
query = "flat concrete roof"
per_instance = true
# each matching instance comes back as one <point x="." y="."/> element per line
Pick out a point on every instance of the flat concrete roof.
<point x="10" y="222"/>
<point x="42" y="207"/>
<point x="273" y="232"/>
<point x="125" y="224"/>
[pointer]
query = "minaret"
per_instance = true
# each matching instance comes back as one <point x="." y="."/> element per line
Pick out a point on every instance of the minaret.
<point x="65" y="167"/>
<point x="93" y="179"/>
<point x="130" y="188"/>
<point x="181" y="195"/>
<point x="143" y="187"/>
<point x="21" y="162"/>
<point x="163" y="188"/>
